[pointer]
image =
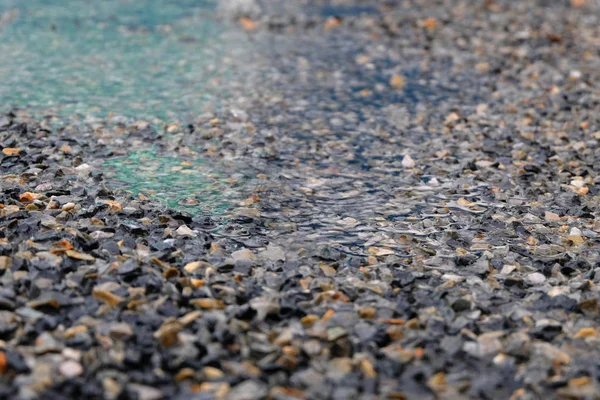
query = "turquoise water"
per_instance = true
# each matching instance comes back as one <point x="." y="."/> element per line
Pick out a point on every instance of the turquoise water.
<point x="191" y="184"/>
<point x="144" y="59"/>
<point x="154" y="60"/>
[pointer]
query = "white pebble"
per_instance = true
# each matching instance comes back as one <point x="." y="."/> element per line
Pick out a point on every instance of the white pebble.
<point x="70" y="369"/>
<point x="535" y="278"/>
<point x="408" y="162"/>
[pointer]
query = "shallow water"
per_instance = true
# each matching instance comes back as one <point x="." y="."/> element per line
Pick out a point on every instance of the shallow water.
<point x="148" y="59"/>
<point x="154" y="60"/>
<point x="191" y="185"/>
<point x="164" y="61"/>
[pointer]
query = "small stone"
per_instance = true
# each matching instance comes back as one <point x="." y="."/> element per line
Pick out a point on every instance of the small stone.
<point x="5" y="262"/>
<point x="71" y="354"/>
<point x="453" y="278"/>
<point x="397" y="82"/>
<point x="212" y="373"/>
<point x="44" y="301"/>
<point x="172" y="128"/>
<point x="367" y="312"/>
<point x="438" y="382"/>
<point x="74" y="331"/>
<point x="430" y="24"/>
<point x="535" y="278"/>
<point x="28" y="197"/>
<point x="114" y="206"/>
<point x="328" y="270"/>
<point x="550" y="352"/>
<point x="274" y="253"/>
<point x="248" y="212"/>
<point x="451" y="118"/>
<point x="589" y="305"/>
<point x="196" y="265"/>
<point x="8" y="210"/>
<point x="189" y="317"/>
<point x="184" y="231"/>
<point x="45" y="343"/>
<point x="336" y="333"/>
<point x="183" y="374"/>
<point x="120" y="331"/>
<point x="247" y="24"/>
<point x="558" y="291"/>
<point x="367" y="369"/>
<point x="11" y="151"/>
<point x="482" y="68"/>
<point x="243" y="255"/>
<point x="576" y="239"/>
<point x="68" y="207"/>
<point x="101" y="235"/>
<point x="461" y="304"/>
<point x="581" y="381"/>
<point x="488" y="344"/>
<point x="112" y="388"/>
<point x="71" y="369"/>
<point x="3" y="362"/>
<point x="501" y="359"/>
<point x="464" y="202"/>
<point x="79" y="256"/>
<point x="551" y="217"/>
<point x="332" y="22"/>
<point x="144" y="392"/>
<point x="586" y="332"/>
<point x="168" y="333"/>
<point x="109" y="298"/>
<point x="197" y="283"/>
<point x="408" y="162"/>
<point x="576" y="231"/>
<point x="380" y="251"/>
<point x="309" y="320"/>
<point x="248" y="390"/>
<point x="208" y="304"/>
<point x="83" y="169"/>
<point x="392" y="321"/>
<point x="264" y="306"/>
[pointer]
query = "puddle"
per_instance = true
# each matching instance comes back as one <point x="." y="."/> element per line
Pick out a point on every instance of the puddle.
<point x="144" y="59"/>
<point x="170" y="60"/>
<point x="191" y="185"/>
<point x="157" y="60"/>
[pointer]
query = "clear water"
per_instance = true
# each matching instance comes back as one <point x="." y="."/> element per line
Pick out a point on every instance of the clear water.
<point x="145" y="59"/>
<point x="153" y="60"/>
<point x="189" y="184"/>
<point x="168" y="61"/>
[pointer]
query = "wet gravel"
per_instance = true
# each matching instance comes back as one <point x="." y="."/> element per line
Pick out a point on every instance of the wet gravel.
<point x="425" y="225"/>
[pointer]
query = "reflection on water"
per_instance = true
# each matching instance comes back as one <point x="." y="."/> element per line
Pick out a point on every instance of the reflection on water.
<point x="152" y="60"/>
<point x="144" y="59"/>
<point x="316" y="103"/>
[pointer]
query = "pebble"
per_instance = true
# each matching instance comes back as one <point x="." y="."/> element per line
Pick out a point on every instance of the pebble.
<point x="535" y="278"/>
<point x="408" y="162"/>
<point x="183" y="230"/>
<point x="144" y="392"/>
<point x="248" y="390"/>
<point x="120" y="331"/>
<point x="71" y="369"/>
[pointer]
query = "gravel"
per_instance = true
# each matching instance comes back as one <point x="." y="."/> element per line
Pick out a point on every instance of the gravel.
<point x="417" y="219"/>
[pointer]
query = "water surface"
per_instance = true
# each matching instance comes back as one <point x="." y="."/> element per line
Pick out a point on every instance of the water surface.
<point x="150" y="59"/>
<point x="156" y="60"/>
